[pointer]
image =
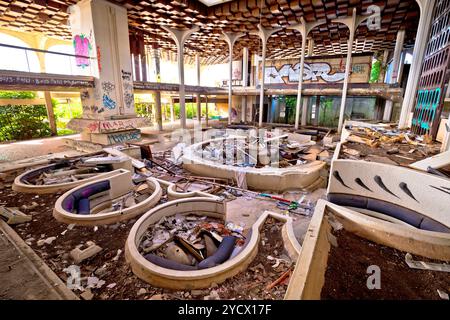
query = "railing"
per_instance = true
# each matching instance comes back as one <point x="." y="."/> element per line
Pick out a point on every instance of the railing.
<point x="25" y="59"/>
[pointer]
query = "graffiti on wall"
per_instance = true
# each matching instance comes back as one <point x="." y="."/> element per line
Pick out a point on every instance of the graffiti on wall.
<point x="425" y="111"/>
<point x="108" y="103"/>
<point x="331" y="70"/>
<point x="124" y="137"/>
<point x="107" y="88"/>
<point x="127" y="89"/>
<point x="82" y="46"/>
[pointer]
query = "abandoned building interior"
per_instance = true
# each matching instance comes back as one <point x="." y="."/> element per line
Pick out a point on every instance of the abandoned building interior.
<point x="234" y="149"/>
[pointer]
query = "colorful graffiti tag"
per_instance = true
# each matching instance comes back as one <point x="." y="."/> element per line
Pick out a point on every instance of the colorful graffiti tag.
<point x="312" y="72"/>
<point x="108" y="103"/>
<point x="425" y="111"/>
<point x="83" y="48"/>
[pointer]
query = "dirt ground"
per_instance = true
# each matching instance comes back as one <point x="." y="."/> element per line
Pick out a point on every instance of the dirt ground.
<point x="346" y="275"/>
<point x="110" y="266"/>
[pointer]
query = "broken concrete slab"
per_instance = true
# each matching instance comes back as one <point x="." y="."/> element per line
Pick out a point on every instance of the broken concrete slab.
<point x="83" y="252"/>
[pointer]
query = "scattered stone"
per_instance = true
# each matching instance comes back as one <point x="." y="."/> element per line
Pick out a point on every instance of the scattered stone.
<point x="32" y="206"/>
<point x="197" y="293"/>
<point x="158" y="297"/>
<point x="111" y="285"/>
<point x="393" y="151"/>
<point x="49" y="240"/>
<point x="213" y="295"/>
<point x="78" y="255"/>
<point x="87" y="295"/>
<point x="141" y="291"/>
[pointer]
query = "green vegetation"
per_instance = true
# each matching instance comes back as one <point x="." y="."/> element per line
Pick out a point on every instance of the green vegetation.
<point x="21" y="122"/>
<point x="64" y="112"/>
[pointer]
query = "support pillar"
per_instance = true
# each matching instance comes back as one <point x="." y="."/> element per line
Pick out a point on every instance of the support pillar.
<point x="198" y="98"/>
<point x="244" y="83"/>
<point x="206" y="111"/>
<point x="50" y="113"/>
<point x="397" y="56"/>
<point x="304" y="28"/>
<point x="230" y="38"/>
<point x="264" y="34"/>
<point x="388" y="110"/>
<point x="426" y="13"/>
<point x="305" y="111"/>
<point x="352" y="23"/>
<point x="172" y="112"/>
<point x="158" y="113"/>
<point x="180" y="37"/>
<point x="109" y="115"/>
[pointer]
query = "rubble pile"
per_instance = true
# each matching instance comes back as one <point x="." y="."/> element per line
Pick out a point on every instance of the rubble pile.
<point x="64" y="171"/>
<point x="253" y="152"/>
<point x="386" y="145"/>
<point x="182" y="241"/>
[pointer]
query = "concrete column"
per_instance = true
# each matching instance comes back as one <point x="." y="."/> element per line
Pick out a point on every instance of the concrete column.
<point x="264" y="34"/>
<point x="244" y="83"/>
<point x="304" y="28"/>
<point x="198" y="98"/>
<point x="180" y="37"/>
<point x="230" y="38"/>
<point x="172" y="112"/>
<point x="305" y="111"/>
<point x="158" y="113"/>
<point x="103" y="26"/>
<point x="50" y="113"/>
<point x="426" y="13"/>
<point x="352" y="23"/>
<point x="310" y="47"/>
<point x="388" y="110"/>
<point x="397" y="55"/>
<point x="206" y="115"/>
<point x="401" y="67"/>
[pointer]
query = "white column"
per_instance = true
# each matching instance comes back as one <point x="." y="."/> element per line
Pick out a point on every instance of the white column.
<point x="304" y="28"/>
<point x="231" y="38"/>
<point x="244" y="82"/>
<point x="426" y="12"/>
<point x="264" y="34"/>
<point x="352" y="23"/>
<point x="206" y="111"/>
<point x="387" y="110"/>
<point x="198" y="98"/>
<point x="180" y="37"/>
<point x="397" y="55"/>
<point x="305" y="110"/>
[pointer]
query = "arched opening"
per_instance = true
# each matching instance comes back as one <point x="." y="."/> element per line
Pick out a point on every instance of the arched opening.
<point x="17" y="59"/>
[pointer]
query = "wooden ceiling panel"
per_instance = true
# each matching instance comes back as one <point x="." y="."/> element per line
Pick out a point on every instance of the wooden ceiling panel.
<point x="147" y="16"/>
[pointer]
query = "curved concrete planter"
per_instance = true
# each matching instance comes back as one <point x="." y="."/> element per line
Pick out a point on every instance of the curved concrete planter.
<point x="186" y="280"/>
<point x="20" y="185"/>
<point x="120" y="182"/>
<point x="273" y="179"/>
<point x="419" y="198"/>
<point x="309" y="275"/>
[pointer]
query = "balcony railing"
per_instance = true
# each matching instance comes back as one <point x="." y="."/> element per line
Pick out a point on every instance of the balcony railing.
<point x="17" y="58"/>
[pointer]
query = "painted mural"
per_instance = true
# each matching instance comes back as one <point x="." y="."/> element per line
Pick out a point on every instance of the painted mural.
<point x="317" y="71"/>
<point x="83" y="47"/>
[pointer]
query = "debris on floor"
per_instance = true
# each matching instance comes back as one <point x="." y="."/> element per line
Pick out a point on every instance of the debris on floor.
<point x="386" y="145"/>
<point x="182" y="241"/>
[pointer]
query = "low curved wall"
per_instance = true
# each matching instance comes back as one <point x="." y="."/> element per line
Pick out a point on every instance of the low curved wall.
<point x="308" y="277"/>
<point x="20" y="186"/>
<point x="62" y="215"/>
<point x="196" y="279"/>
<point x="418" y="198"/>
<point x="272" y="179"/>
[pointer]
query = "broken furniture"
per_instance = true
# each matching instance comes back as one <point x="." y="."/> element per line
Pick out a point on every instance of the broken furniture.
<point x="108" y="200"/>
<point x="192" y="278"/>
<point x="14" y="215"/>
<point x="417" y="198"/>
<point x="66" y="174"/>
<point x="308" y="277"/>
<point x="273" y="178"/>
